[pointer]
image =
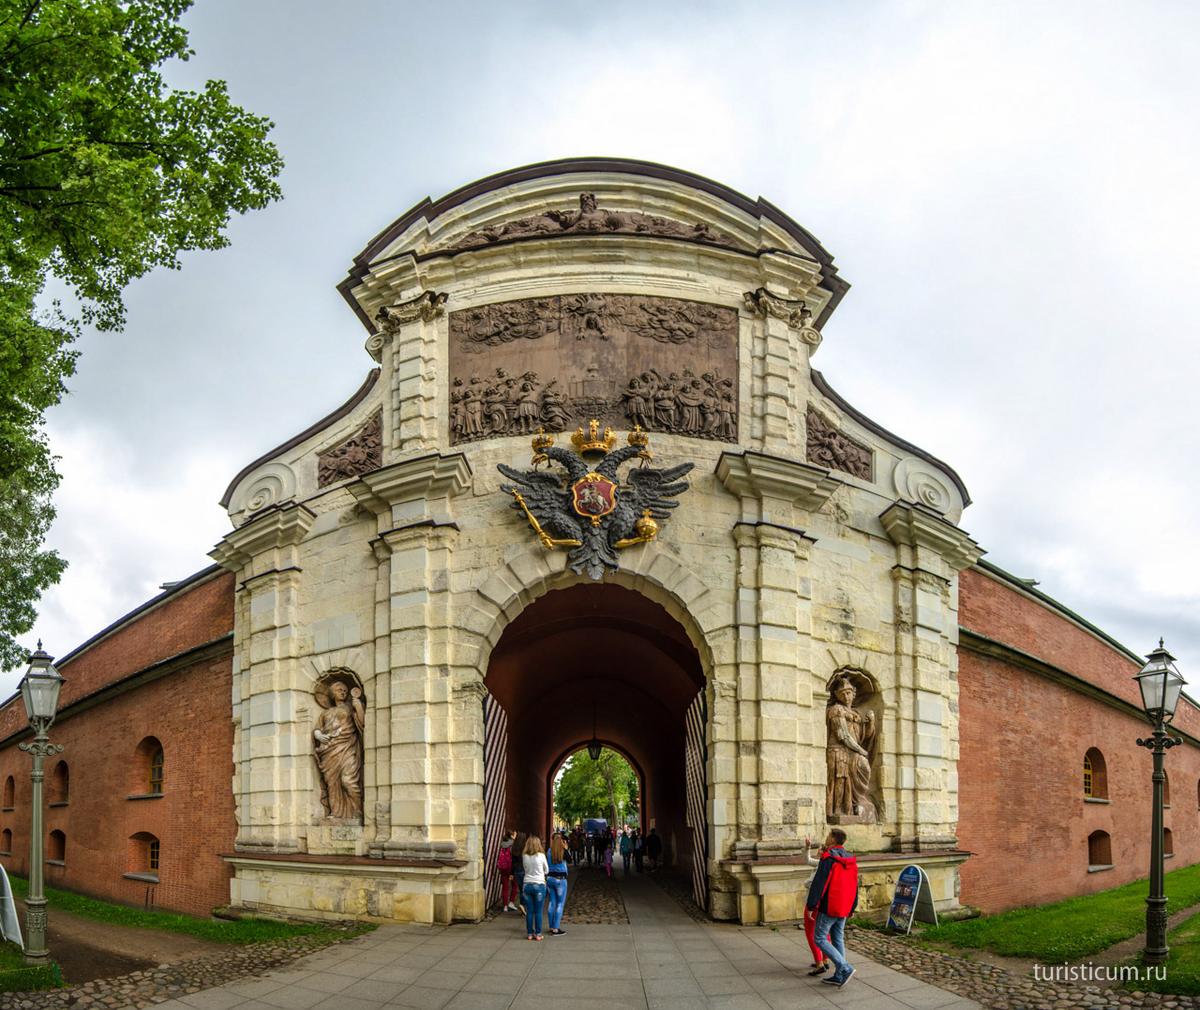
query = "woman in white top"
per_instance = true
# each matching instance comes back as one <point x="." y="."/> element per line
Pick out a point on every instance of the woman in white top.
<point x="533" y="892"/>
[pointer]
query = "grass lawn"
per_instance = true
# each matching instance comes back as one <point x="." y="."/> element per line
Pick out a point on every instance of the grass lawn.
<point x="220" y="930"/>
<point x="1073" y="929"/>
<point x="1182" y="970"/>
<point x="16" y="976"/>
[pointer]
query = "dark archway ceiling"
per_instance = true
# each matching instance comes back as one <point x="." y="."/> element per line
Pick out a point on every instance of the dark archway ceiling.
<point x="594" y="646"/>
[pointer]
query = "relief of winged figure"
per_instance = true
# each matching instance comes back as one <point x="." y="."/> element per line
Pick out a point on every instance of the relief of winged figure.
<point x="589" y="510"/>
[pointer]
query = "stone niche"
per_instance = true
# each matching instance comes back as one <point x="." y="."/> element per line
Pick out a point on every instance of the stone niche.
<point x="665" y="364"/>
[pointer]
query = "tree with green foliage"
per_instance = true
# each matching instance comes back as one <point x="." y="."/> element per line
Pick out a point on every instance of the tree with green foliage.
<point x="600" y="788"/>
<point x="105" y="174"/>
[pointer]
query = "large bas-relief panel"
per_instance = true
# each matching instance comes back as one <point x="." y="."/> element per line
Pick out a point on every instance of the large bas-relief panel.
<point x="665" y="364"/>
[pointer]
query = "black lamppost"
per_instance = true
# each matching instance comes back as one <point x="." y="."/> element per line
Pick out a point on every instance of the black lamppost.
<point x="39" y="691"/>
<point x="1160" y="683"/>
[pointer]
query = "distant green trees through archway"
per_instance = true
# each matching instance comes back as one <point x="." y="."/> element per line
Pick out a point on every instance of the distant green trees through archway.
<point x="607" y="787"/>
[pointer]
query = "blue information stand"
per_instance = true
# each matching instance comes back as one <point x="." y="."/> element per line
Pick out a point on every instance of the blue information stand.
<point x="913" y="899"/>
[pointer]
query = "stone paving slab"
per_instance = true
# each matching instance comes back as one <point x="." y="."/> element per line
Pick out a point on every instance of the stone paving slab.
<point x="657" y="958"/>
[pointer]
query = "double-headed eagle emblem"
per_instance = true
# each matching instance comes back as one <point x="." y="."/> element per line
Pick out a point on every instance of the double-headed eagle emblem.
<point x="588" y="511"/>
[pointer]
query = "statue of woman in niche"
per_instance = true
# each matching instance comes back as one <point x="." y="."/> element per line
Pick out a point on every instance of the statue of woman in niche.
<point x="338" y="745"/>
<point x="849" y="754"/>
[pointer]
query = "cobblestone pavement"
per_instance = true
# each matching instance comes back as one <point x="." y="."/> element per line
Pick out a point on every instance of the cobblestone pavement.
<point x="168" y="981"/>
<point x="998" y="987"/>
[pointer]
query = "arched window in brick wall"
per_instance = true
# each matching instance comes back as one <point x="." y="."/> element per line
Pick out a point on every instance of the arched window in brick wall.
<point x="1099" y="851"/>
<point x="1168" y="843"/>
<point x="1095" y="775"/>
<point x="143" y="856"/>
<point x="6" y="842"/>
<point x="148" y="767"/>
<point x="56" y="847"/>
<point x="60" y="783"/>
<point x="1166" y="789"/>
<point x="10" y="788"/>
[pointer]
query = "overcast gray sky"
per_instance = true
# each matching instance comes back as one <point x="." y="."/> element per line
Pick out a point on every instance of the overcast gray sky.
<point x="1011" y="189"/>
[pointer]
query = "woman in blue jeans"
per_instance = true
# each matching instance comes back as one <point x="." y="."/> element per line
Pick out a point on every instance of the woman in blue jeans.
<point x="556" y="885"/>
<point x="533" y="892"/>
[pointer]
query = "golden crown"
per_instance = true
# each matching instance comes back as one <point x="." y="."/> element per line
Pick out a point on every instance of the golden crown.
<point x="592" y="441"/>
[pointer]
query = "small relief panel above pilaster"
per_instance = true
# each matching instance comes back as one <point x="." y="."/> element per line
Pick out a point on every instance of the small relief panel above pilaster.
<point x="664" y="364"/>
<point x="357" y="455"/>
<point x="828" y="447"/>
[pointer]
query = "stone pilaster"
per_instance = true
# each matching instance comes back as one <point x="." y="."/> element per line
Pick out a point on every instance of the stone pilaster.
<point x="930" y="553"/>
<point x="421" y="715"/>
<point x="271" y="755"/>
<point x="774" y="635"/>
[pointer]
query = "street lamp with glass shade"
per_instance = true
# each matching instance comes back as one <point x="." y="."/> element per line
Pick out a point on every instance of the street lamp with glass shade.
<point x="39" y="691"/>
<point x="1161" y="685"/>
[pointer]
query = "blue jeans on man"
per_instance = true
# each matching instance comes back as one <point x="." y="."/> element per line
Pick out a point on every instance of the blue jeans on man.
<point x="829" y="934"/>
<point x="533" y="895"/>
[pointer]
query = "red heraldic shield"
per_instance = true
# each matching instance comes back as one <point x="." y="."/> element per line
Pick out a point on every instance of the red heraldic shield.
<point x="594" y="496"/>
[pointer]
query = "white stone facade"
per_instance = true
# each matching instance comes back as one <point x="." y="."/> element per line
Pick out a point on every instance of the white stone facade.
<point x="781" y="572"/>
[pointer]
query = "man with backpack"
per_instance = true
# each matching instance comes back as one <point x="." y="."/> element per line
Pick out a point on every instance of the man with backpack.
<point x="833" y="895"/>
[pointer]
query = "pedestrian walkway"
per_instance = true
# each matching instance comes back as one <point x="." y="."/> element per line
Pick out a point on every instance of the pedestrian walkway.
<point x="661" y="958"/>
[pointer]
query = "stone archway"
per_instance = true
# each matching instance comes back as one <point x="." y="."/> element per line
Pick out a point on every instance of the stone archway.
<point x="608" y="652"/>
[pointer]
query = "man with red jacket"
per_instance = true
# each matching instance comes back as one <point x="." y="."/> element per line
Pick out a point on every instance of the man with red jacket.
<point x="833" y="895"/>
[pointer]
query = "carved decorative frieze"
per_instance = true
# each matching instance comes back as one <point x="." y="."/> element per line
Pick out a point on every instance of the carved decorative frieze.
<point x="664" y="364"/>
<point x="828" y="447"/>
<point x="592" y="220"/>
<point x="356" y="455"/>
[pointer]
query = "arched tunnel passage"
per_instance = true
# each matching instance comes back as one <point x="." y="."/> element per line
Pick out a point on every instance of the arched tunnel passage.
<point x="605" y="653"/>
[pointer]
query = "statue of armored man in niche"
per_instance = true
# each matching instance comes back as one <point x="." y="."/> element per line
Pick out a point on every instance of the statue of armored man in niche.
<point x="338" y="746"/>
<point x="849" y="755"/>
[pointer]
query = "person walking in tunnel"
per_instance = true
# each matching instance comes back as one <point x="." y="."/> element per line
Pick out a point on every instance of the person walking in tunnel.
<point x="639" y="848"/>
<point x="518" y="868"/>
<point x="653" y="849"/>
<point x="608" y="855"/>
<point x="533" y="892"/>
<point x="626" y="848"/>
<point x="556" y="886"/>
<point x="504" y="864"/>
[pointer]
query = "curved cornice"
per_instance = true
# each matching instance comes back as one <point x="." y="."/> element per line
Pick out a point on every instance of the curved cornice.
<point x="828" y="392"/>
<point x="431" y="210"/>
<point x="363" y="391"/>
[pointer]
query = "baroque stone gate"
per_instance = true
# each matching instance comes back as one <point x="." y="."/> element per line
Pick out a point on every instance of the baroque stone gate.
<point x="775" y="547"/>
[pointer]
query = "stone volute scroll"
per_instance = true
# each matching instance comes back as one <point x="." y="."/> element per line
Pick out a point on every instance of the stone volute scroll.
<point x="338" y="746"/>
<point x="850" y="751"/>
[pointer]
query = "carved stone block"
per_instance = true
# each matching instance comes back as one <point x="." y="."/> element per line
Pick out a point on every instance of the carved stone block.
<point x="665" y="364"/>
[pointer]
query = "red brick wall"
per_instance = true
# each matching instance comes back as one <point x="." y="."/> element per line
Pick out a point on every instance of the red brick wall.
<point x="1023" y="738"/>
<point x="193" y="617"/>
<point x="188" y="711"/>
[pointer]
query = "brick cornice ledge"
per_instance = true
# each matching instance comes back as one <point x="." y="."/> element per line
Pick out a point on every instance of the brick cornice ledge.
<point x="757" y="475"/>
<point x="430" y="477"/>
<point x="917" y="526"/>
<point x="282" y="525"/>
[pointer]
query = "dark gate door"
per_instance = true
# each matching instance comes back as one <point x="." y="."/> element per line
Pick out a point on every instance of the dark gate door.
<point x="696" y="758"/>
<point x="495" y="764"/>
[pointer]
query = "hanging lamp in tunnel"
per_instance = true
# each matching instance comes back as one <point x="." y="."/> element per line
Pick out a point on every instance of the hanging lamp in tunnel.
<point x="594" y="746"/>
